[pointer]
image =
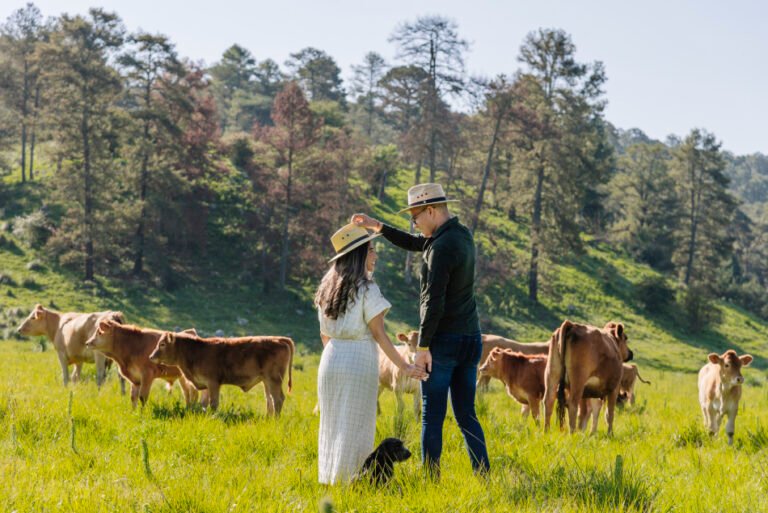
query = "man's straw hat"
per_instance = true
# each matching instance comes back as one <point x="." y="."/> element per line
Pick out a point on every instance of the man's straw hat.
<point x="348" y="238"/>
<point x="425" y="194"/>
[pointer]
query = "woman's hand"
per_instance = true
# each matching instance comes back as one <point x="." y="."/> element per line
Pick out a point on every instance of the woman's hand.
<point x="414" y="372"/>
<point x="366" y="222"/>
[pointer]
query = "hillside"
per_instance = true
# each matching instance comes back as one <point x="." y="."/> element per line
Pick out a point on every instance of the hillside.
<point x="594" y="288"/>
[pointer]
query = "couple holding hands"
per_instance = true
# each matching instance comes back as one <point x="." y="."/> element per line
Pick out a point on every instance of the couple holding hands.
<point x="351" y="310"/>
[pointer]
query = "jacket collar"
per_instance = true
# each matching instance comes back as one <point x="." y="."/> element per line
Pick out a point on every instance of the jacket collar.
<point x="454" y="221"/>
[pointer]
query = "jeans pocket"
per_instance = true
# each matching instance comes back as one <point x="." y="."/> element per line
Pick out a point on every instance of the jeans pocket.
<point x="445" y="348"/>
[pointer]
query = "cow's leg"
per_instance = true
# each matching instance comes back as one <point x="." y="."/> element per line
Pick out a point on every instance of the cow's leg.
<point x="417" y="404"/>
<point x="534" y="406"/>
<point x="399" y="398"/>
<point x="276" y="395"/>
<point x="585" y="408"/>
<point x="610" y="409"/>
<point x="122" y="384"/>
<point x="64" y="367"/>
<point x="144" y="388"/>
<point x="631" y="394"/>
<point x="483" y="383"/>
<point x="134" y="394"/>
<point x="524" y="411"/>
<point x="76" y="372"/>
<point x="730" y="426"/>
<point x="213" y="395"/>
<point x="378" y="395"/>
<point x="552" y="376"/>
<point x="189" y="391"/>
<point x="597" y="404"/>
<point x="101" y="371"/>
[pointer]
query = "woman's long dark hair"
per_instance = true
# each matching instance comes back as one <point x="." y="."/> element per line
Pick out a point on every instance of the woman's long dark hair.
<point x="338" y="288"/>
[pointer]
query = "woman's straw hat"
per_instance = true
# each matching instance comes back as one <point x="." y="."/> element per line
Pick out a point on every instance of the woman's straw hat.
<point x="425" y="194"/>
<point x="348" y="238"/>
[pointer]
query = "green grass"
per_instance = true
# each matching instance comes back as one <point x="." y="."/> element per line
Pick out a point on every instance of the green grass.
<point x="104" y="456"/>
<point x="240" y="460"/>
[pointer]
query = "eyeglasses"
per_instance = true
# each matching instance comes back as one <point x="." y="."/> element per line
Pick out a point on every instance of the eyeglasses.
<point x="414" y="217"/>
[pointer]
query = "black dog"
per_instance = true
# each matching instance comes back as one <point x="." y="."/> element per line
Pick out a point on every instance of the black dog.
<point x="380" y="465"/>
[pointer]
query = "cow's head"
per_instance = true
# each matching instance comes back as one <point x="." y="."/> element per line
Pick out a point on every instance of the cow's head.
<point x="492" y="365"/>
<point x="103" y="339"/>
<point x="411" y="339"/>
<point x="165" y="351"/>
<point x="36" y="323"/>
<point x="730" y="366"/>
<point x="616" y="330"/>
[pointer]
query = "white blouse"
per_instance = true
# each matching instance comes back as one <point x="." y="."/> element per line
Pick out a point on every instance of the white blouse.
<point x="353" y="325"/>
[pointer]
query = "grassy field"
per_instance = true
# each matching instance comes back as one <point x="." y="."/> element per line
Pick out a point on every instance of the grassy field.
<point x="80" y="449"/>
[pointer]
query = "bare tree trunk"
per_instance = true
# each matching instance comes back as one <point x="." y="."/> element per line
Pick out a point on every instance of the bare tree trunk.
<point x="24" y="100"/>
<point x="409" y="254"/>
<point x="533" y="273"/>
<point x="486" y="171"/>
<point x="694" y="225"/>
<point x="87" y="183"/>
<point x="284" y="255"/>
<point x="34" y="133"/>
<point x="138" y="262"/>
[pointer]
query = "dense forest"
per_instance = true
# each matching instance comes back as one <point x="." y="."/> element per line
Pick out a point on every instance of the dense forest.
<point x="147" y="164"/>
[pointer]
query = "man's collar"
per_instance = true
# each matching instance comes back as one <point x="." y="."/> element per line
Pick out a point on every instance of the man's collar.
<point x="443" y="227"/>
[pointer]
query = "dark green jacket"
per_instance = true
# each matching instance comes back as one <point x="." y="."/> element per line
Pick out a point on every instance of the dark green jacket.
<point x="447" y="302"/>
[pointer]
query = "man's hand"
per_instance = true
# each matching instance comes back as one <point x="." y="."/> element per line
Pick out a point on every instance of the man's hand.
<point x="366" y="222"/>
<point x="423" y="360"/>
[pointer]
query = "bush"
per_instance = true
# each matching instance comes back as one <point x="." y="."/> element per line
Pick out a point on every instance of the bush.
<point x="655" y="294"/>
<point x="699" y="308"/>
<point x="35" y="265"/>
<point x="7" y="279"/>
<point x="33" y="229"/>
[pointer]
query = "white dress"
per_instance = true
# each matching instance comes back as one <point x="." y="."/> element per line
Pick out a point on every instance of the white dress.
<point x="347" y="385"/>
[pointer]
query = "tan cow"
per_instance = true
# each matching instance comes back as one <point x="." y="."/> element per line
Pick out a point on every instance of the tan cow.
<point x="522" y="374"/>
<point x="493" y="341"/>
<point x="584" y="362"/>
<point x="629" y="378"/>
<point x="244" y="362"/>
<point x="392" y="378"/>
<point x="68" y="332"/>
<point x="130" y="347"/>
<point x="720" y="383"/>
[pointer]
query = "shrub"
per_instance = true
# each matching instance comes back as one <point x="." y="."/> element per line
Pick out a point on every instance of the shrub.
<point x="699" y="308"/>
<point x="655" y="294"/>
<point x="33" y="229"/>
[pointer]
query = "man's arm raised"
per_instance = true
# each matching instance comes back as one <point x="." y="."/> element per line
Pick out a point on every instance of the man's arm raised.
<point x="397" y="237"/>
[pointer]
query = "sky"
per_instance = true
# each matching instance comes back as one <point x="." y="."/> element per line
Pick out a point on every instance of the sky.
<point x="672" y="65"/>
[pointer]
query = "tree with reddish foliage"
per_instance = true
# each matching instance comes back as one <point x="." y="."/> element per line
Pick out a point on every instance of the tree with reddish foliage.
<point x="296" y="129"/>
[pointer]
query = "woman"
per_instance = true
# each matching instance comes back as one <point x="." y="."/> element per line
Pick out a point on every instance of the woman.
<point x="351" y="310"/>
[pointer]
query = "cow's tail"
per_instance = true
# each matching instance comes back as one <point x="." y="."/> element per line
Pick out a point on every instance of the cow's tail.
<point x="562" y="336"/>
<point x="292" y="349"/>
<point x="641" y="379"/>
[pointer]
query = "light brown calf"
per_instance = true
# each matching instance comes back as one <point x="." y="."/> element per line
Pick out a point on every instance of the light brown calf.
<point x="584" y="362"/>
<point x="68" y="332"/>
<point x="522" y="374"/>
<point x="720" y="390"/>
<point x="130" y="347"/>
<point x="493" y="341"/>
<point x="629" y="378"/>
<point x="392" y="378"/>
<point x="244" y="362"/>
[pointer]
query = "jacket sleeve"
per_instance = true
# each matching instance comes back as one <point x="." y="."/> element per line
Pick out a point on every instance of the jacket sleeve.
<point x="433" y="301"/>
<point x="403" y="239"/>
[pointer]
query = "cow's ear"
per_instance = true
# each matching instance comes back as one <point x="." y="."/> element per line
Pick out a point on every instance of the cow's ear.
<point x="714" y="358"/>
<point x="170" y="337"/>
<point x="402" y="337"/>
<point x="618" y="330"/>
<point x="103" y="326"/>
<point x="746" y="360"/>
<point x="118" y="317"/>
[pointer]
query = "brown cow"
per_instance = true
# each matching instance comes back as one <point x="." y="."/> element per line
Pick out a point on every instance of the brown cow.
<point x="587" y="361"/>
<point x="522" y="374"/>
<point x="130" y="347"/>
<point x="246" y="361"/>
<point x="392" y="378"/>
<point x="68" y="332"/>
<point x="492" y="341"/>
<point x="720" y="390"/>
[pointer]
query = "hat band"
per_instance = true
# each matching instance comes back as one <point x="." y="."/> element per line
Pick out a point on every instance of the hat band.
<point x="352" y="243"/>
<point x="427" y="202"/>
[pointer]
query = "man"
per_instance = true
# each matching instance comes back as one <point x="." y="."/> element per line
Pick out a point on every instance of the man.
<point x="449" y="332"/>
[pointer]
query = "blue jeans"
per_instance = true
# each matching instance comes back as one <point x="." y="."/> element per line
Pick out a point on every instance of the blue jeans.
<point x="454" y="367"/>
